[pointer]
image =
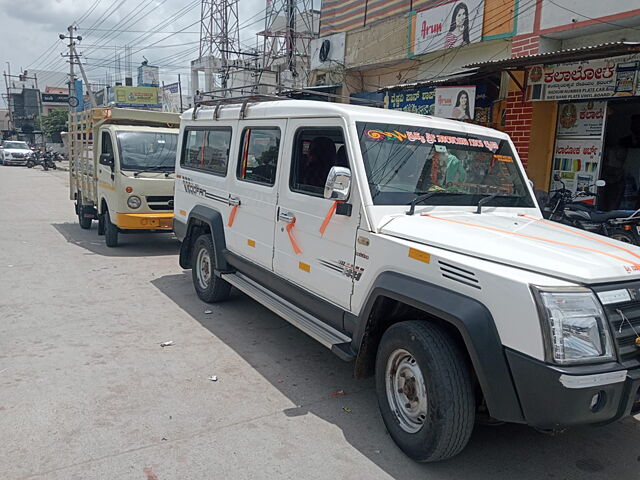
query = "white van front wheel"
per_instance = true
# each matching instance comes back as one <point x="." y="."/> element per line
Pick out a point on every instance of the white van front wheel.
<point x="209" y="287"/>
<point x="424" y="390"/>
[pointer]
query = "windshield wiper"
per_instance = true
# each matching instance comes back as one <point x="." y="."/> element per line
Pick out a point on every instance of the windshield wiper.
<point x="426" y="196"/>
<point x="488" y="197"/>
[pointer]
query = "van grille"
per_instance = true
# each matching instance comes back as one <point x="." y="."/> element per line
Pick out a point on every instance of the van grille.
<point x="458" y="274"/>
<point x="160" y="202"/>
<point x="624" y="330"/>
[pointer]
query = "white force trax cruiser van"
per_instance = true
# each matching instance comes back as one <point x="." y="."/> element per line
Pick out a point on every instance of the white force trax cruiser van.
<point x="413" y="246"/>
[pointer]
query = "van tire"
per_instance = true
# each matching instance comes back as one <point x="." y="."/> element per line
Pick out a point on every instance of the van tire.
<point x="434" y="422"/>
<point x="101" y="227"/>
<point x="110" y="231"/>
<point x="209" y="287"/>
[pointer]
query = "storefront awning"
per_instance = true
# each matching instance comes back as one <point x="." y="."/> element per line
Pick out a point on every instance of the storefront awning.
<point x="602" y="50"/>
<point x="433" y="81"/>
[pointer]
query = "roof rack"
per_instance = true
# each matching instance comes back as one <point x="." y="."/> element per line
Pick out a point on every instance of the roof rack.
<point x="224" y="96"/>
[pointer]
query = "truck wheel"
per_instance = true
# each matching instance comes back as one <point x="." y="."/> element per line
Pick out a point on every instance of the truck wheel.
<point x="209" y="287"/>
<point x="85" y="223"/>
<point x="110" y="231"/>
<point x="424" y="391"/>
<point x="101" y="224"/>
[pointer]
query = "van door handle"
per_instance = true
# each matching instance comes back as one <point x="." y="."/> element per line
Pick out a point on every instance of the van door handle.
<point x="234" y="201"/>
<point x="287" y="217"/>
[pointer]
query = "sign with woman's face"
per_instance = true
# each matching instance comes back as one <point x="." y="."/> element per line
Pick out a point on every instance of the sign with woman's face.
<point x="449" y="25"/>
<point x="455" y="102"/>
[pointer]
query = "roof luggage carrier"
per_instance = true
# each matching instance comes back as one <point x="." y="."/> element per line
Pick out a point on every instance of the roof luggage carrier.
<point x="222" y="96"/>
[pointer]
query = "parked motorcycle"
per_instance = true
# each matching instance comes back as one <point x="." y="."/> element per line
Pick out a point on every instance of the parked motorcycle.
<point x="44" y="159"/>
<point x="565" y="207"/>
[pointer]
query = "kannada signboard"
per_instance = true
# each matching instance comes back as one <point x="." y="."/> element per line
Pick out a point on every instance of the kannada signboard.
<point x="448" y="25"/>
<point x="577" y="161"/>
<point x="601" y="78"/>
<point x="55" y="98"/>
<point x="581" y="119"/>
<point x="136" y="96"/>
<point x="455" y="102"/>
<point x="415" y="101"/>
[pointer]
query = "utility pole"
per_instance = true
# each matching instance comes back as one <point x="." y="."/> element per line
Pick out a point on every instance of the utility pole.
<point x="290" y="25"/>
<point x="72" y="77"/>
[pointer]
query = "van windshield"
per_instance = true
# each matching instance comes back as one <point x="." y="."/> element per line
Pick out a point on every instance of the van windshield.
<point x="147" y="150"/>
<point x="403" y="162"/>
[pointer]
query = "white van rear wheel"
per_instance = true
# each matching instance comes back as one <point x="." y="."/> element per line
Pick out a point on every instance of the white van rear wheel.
<point x="209" y="287"/>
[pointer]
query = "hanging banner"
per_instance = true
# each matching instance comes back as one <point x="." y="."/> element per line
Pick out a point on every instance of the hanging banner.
<point x="601" y="78"/>
<point x="581" y="119"/>
<point x="448" y="25"/>
<point x="456" y="102"/>
<point x="577" y="162"/>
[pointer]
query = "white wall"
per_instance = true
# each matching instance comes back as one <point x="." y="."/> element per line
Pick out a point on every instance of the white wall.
<point x="558" y="13"/>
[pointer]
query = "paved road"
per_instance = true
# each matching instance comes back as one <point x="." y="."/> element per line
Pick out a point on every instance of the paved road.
<point x="86" y="392"/>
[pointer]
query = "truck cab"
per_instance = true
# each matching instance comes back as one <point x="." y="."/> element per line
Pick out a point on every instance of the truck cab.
<point x="414" y="247"/>
<point x="122" y="174"/>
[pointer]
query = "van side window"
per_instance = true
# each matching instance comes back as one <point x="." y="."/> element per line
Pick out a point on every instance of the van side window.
<point x="107" y="145"/>
<point x="259" y="155"/>
<point x="315" y="151"/>
<point x="207" y="150"/>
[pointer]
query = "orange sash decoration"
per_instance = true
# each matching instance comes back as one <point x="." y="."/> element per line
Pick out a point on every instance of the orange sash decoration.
<point x="327" y="218"/>
<point x="294" y="244"/>
<point x="232" y="216"/>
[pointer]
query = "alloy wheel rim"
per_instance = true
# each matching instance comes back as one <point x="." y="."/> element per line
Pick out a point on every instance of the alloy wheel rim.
<point x="204" y="268"/>
<point x="406" y="391"/>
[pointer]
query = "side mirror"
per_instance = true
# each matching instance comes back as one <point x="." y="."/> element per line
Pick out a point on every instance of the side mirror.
<point x="556" y="177"/>
<point x="338" y="184"/>
<point x="106" y="159"/>
<point x="600" y="183"/>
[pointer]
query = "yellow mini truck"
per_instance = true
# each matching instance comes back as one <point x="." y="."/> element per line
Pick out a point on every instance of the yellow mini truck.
<point x="121" y="167"/>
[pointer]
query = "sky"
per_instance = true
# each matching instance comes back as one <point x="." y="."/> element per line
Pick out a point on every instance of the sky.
<point x="30" y="28"/>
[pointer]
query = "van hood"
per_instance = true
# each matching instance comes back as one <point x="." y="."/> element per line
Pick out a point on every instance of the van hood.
<point x="523" y="241"/>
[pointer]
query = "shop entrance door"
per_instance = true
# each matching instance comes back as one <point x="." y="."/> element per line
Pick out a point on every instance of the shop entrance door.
<point x="621" y="156"/>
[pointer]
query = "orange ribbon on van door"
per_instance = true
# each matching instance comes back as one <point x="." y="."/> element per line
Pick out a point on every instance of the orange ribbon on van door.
<point x="327" y="218"/>
<point x="232" y="215"/>
<point x="294" y="244"/>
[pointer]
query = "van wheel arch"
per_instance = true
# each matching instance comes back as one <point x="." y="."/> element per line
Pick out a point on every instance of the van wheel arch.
<point x="395" y="298"/>
<point x="204" y="220"/>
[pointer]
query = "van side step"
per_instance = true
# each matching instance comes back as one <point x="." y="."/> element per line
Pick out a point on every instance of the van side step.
<point x="315" y="328"/>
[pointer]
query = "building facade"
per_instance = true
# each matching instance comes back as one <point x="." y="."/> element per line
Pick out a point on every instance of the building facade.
<point x="561" y="77"/>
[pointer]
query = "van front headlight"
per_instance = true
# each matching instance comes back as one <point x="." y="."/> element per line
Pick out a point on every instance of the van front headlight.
<point x="134" y="202"/>
<point x="574" y="326"/>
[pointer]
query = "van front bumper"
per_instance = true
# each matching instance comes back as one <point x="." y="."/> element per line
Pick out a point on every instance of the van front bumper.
<point x="145" y="221"/>
<point x="554" y="397"/>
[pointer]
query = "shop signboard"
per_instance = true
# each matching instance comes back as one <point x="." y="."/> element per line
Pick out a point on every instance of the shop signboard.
<point x="419" y="100"/>
<point x="577" y="161"/>
<point x="136" y="96"/>
<point x="448" y="25"/>
<point x="455" y="102"/>
<point x="601" y="78"/>
<point x="581" y="119"/>
<point x="626" y="77"/>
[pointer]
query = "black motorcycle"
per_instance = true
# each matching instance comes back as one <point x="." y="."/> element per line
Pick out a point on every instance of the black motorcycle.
<point x="44" y="159"/>
<point x="564" y="207"/>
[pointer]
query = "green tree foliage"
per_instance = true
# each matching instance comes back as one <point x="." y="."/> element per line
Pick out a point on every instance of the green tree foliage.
<point x="54" y="123"/>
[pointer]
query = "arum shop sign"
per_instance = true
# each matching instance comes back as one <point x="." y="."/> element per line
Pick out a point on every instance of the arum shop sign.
<point x="603" y="78"/>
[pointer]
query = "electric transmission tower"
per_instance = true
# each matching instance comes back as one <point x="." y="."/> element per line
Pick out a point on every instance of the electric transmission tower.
<point x="219" y="42"/>
<point x="289" y="27"/>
